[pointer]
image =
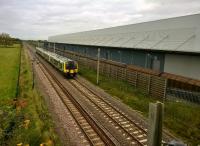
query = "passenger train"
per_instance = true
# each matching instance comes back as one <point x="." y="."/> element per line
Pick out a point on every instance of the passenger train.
<point x="67" y="66"/>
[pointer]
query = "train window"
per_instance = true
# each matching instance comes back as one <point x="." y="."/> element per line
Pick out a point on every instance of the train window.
<point x="60" y="65"/>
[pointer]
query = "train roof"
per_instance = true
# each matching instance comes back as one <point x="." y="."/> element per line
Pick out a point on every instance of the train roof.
<point x="54" y="55"/>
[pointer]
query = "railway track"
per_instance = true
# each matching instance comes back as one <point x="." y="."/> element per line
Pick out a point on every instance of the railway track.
<point x="93" y="134"/>
<point x="130" y="129"/>
<point x="91" y="130"/>
<point x="135" y="135"/>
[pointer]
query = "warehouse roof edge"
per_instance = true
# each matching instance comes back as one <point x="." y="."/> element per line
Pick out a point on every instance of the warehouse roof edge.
<point x="179" y="34"/>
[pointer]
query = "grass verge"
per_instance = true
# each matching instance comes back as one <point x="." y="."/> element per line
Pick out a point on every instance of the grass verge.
<point x="26" y="119"/>
<point x="182" y="119"/>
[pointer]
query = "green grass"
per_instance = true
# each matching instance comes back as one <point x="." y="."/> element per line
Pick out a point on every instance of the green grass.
<point x="9" y="65"/>
<point x="182" y="119"/>
<point x="29" y="106"/>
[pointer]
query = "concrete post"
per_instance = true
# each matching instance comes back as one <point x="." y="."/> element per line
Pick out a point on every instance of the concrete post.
<point x="155" y="124"/>
<point x="98" y="61"/>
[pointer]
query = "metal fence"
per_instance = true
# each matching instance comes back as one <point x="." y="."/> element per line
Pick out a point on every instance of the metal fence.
<point x="184" y="95"/>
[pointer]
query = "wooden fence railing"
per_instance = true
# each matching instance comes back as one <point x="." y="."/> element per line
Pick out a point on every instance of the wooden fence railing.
<point x="150" y="84"/>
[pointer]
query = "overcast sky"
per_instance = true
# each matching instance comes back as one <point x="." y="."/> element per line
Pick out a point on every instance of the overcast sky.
<point x="38" y="19"/>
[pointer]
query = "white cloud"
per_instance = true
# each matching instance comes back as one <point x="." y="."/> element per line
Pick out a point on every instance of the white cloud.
<point x="38" y="19"/>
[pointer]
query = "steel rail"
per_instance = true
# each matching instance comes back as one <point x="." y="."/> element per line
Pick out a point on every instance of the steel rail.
<point x="71" y="112"/>
<point x="129" y="134"/>
<point x="60" y="96"/>
<point x="127" y="118"/>
<point x="85" y="114"/>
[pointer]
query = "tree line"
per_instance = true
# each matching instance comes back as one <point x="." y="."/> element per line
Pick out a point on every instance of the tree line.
<point x="6" y="40"/>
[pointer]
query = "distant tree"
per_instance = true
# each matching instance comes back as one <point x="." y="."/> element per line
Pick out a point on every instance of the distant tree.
<point x="5" y="39"/>
<point x="16" y="41"/>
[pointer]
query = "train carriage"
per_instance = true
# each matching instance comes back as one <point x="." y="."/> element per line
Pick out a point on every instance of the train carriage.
<point x="65" y="65"/>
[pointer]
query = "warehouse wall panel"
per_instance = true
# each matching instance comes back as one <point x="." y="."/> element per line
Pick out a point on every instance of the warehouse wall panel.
<point x="183" y="65"/>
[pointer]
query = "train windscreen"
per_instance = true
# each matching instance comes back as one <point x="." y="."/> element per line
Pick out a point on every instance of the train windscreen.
<point x="71" y="65"/>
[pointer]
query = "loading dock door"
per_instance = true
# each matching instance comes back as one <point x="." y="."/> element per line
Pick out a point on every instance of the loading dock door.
<point x="156" y="65"/>
<point x="108" y="55"/>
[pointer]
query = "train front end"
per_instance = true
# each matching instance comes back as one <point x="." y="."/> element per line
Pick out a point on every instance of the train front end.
<point x="71" y="68"/>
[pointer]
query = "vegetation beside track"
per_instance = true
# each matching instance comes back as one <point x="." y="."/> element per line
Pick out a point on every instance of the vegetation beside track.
<point x="182" y="119"/>
<point x="25" y="118"/>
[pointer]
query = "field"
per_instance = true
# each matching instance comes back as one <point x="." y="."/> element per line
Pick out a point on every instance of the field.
<point x="9" y="65"/>
<point x="181" y="119"/>
<point x="25" y="118"/>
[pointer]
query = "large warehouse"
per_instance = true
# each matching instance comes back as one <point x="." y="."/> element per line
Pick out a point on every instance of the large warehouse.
<point x="169" y="45"/>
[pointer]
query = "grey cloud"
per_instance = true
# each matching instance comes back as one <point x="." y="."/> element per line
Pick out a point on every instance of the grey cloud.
<point x="37" y="19"/>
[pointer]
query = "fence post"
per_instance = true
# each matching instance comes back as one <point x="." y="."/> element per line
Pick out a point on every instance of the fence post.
<point x="33" y="74"/>
<point x="54" y="48"/>
<point x="136" y="80"/>
<point x="149" y="85"/>
<point x="109" y="70"/>
<point x="74" y="56"/>
<point x="102" y="68"/>
<point x="19" y="70"/>
<point x="155" y="124"/>
<point x="165" y="90"/>
<point x="125" y="73"/>
<point x="48" y="46"/>
<point x="116" y="73"/>
<point x="98" y="61"/>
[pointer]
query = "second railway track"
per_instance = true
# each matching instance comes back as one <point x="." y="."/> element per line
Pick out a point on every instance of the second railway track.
<point x="130" y="129"/>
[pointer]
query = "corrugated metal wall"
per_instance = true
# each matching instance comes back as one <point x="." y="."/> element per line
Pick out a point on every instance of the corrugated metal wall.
<point x="140" y="58"/>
